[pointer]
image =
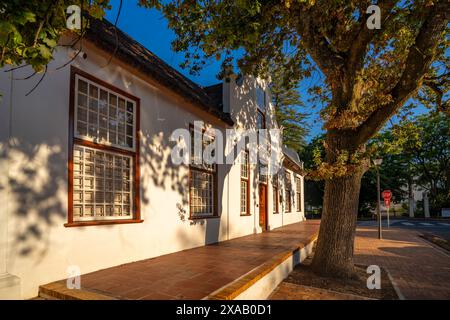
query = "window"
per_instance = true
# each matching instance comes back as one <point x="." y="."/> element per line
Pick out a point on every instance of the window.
<point x="103" y="116"/>
<point x="202" y="184"/>
<point x="260" y="120"/>
<point x="288" y="188"/>
<point x="275" y="193"/>
<point x="262" y="173"/>
<point x="260" y="98"/>
<point x="298" y="190"/>
<point x="261" y="108"/>
<point x="245" y="183"/>
<point x="104" y="159"/>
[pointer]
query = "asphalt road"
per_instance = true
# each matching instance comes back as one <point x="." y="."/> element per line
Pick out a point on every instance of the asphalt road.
<point x="440" y="228"/>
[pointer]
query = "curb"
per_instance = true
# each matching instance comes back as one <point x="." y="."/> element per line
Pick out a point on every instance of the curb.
<point x="58" y="291"/>
<point x="396" y="288"/>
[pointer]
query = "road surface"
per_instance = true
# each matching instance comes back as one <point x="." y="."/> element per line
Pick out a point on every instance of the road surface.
<point x="440" y="228"/>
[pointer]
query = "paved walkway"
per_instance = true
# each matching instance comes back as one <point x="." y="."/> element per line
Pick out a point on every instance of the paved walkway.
<point x="195" y="273"/>
<point x="420" y="270"/>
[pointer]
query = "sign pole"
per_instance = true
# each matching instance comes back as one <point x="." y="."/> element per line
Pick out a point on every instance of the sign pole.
<point x="387" y="196"/>
<point x="388" y="217"/>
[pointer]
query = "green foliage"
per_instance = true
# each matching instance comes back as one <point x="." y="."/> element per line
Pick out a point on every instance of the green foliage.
<point x="413" y="151"/>
<point x="314" y="189"/>
<point x="30" y="30"/>
<point x="417" y="151"/>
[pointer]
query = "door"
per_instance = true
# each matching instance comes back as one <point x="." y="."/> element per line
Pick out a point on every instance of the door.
<point x="263" y="206"/>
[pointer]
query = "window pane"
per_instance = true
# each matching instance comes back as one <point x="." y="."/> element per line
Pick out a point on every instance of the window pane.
<point x="288" y="200"/>
<point x="244" y="196"/>
<point x="262" y="173"/>
<point x="244" y="165"/>
<point x="103" y="116"/>
<point x="197" y="159"/>
<point x="298" y="190"/>
<point x="275" y="199"/>
<point x="260" y="98"/>
<point x="260" y="122"/>
<point x="103" y="189"/>
<point x="82" y="86"/>
<point x="201" y="193"/>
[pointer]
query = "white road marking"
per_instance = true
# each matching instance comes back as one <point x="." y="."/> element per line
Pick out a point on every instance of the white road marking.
<point x="444" y="224"/>
<point x="426" y="224"/>
<point x="407" y="224"/>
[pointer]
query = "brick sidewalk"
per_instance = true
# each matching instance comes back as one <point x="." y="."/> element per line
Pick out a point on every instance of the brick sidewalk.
<point x="419" y="270"/>
<point x="189" y="274"/>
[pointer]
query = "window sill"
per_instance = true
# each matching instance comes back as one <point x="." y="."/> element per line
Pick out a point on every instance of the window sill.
<point x="245" y="214"/>
<point x="100" y="222"/>
<point x="205" y="217"/>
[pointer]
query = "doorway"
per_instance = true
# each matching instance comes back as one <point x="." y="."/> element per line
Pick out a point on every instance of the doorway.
<point x="263" y="206"/>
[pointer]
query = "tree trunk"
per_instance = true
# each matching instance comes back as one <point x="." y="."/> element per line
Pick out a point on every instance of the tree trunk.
<point x="334" y="250"/>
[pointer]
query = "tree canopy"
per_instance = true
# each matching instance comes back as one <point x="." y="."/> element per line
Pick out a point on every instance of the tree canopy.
<point x="369" y="73"/>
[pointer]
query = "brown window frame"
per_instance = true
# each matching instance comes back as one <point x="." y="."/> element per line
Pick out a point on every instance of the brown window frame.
<point x="298" y="193"/>
<point x="248" y="186"/>
<point x="74" y="140"/>
<point x="214" y="173"/>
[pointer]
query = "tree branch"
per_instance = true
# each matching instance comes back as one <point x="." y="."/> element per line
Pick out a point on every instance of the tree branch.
<point x="420" y="57"/>
<point x="317" y="45"/>
<point x="361" y="42"/>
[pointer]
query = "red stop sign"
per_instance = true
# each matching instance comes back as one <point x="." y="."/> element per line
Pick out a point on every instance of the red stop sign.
<point x="387" y="196"/>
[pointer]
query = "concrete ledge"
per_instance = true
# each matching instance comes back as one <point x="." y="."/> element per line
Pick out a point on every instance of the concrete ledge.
<point x="261" y="281"/>
<point x="59" y="291"/>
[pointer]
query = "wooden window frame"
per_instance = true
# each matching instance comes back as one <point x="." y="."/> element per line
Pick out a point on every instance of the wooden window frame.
<point x="214" y="173"/>
<point x="298" y="193"/>
<point x="73" y="140"/>
<point x="248" y="186"/>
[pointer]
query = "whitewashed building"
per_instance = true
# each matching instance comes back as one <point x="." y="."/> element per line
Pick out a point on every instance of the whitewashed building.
<point x="86" y="177"/>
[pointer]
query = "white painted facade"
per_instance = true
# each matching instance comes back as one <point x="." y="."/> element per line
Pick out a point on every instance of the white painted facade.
<point x="35" y="246"/>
